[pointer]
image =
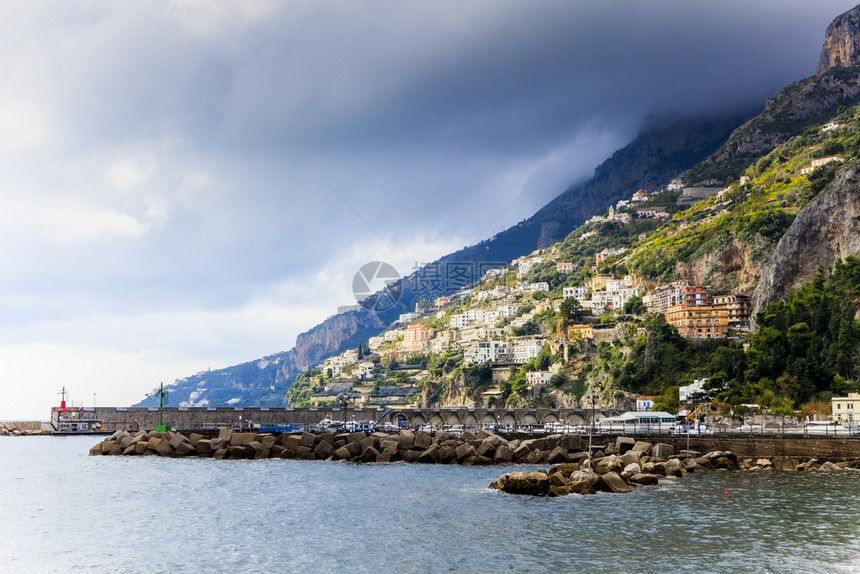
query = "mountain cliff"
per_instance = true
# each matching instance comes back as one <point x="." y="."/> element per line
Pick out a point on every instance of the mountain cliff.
<point x="841" y="42"/>
<point x="825" y="230"/>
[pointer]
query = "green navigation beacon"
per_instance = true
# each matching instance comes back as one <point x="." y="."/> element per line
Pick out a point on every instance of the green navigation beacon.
<point x="162" y="400"/>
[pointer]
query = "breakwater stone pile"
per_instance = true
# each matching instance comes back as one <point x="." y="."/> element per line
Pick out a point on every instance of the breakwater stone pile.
<point x="640" y="463"/>
<point x="25" y="429"/>
<point x="468" y="448"/>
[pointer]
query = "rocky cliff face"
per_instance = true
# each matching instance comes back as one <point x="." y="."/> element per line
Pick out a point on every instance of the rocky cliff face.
<point x="802" y="104"/>
<point x="660" y="152"/>
<point x="841" y="42"/>
<point x="825" y="230"/>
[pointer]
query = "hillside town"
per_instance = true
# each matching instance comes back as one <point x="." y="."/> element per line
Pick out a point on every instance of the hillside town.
<point x="512" y="325"/>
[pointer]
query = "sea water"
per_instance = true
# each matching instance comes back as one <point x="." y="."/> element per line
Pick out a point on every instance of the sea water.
<point x="64" y="511"/>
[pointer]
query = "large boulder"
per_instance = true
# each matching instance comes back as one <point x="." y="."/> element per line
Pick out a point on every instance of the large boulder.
<point x="184" y="449"/>
<point x="369" y="454"/>
<point x="522" y="451"/>
<point x="642" y="447"/>
<point x="557" y="455"/>
<point x="607" y="464"/>
<point x="323" y="449"/>
<point x="504" y="453"/>
<point x="447" y="454"/>
<point x="405" y="440"/>
<point x="644" y="479"/>
<point x="486" y="448"/>
<point x="624" y="444"/>
<point x="566" y="469"/>
<point x="422" y="440"/>
<point x="531" y="483"/>
<point x="341" y="454"/>
<point x="292" y="442"/>
<point x="785" y="463"/>
<point x="673" y="467"/>
<point x="464" y="451"/>
<point x="630" y="457"/>
<point x="611" y="482"/>
<point x="307" y="439"/>
<point x="662" y="451"/>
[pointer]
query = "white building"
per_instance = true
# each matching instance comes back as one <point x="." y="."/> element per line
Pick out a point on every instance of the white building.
<point x="575" y="292"/>
<point x="644" y="403"/>
<point x="685" y="393"/>
<point x="538" y="378"/>
<point x="525" y="349"/>
<point x="374" y="343"/>
<point x="506" y="311"/>
<point x="406" y="317"/>
<point x="363" y="371"/>
<point x="392" y="335"/>
<point x="481" y="352"/>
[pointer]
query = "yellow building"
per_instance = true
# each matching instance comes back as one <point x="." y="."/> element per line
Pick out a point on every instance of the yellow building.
<point x="584" y="331"/>
<point x="699" y="321"/>
<point x="845" y="408"/>
<point x="598" y="282"/>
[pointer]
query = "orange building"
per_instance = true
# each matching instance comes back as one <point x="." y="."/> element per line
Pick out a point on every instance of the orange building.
<point x="699" y="321"/>
<point x="416" y="338"/>
<point x="738" y="309"/>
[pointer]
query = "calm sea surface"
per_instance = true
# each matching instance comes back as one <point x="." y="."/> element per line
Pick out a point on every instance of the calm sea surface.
<point x="63" y="511"/>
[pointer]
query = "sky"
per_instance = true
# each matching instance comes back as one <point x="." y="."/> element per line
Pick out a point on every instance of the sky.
<point x="190" y="184"/>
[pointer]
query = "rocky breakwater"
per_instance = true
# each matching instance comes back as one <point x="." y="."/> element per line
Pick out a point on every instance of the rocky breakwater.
<point x="481" y="448"/>
<point x="25" y="428"/>
<point x="638" y="463"/>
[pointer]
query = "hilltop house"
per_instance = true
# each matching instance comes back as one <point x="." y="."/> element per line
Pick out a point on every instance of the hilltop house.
<point x="820" y="161"/>
<point x="538" y="378"/>
<point x="644" y="403"/>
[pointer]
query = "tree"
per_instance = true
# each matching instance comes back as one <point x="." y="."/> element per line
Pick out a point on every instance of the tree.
<point x="571" y="310"/>
<point x="785" y="408"/>
<point x="635" y="306"/>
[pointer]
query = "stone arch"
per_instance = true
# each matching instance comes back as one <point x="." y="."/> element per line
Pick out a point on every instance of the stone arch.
<point x="529" y="420"/>
<point x="489" y="419"/>
<point x="470" y="419"/>
<point x="575" y="419"/>
<point x="509" y="419"/>
<point x="418" y="420"/>
<point x="550" y="418"/>
<point x="400" y="420"/>
<point x="437" y="420"/>
<point x="453" y="419"/>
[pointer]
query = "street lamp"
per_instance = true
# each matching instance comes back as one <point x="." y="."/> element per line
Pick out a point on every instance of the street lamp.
<point x="591" y="398"/>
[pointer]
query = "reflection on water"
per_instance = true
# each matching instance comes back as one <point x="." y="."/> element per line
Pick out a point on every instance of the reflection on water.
<point x="109" y="514"/>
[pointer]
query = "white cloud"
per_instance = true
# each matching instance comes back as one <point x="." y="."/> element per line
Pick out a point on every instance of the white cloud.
<point x="23" y="124"/>
<point x="129" y="172"/>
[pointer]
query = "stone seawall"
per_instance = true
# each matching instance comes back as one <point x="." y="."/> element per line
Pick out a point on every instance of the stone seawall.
<point x="823" y="447"/>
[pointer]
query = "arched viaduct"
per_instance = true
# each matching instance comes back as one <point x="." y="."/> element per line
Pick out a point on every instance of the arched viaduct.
<point x="113" y="418"/>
